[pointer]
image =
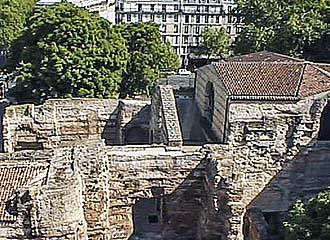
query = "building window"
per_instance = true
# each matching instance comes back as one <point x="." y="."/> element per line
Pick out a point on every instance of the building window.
<point x="197" y="30"/>
<point x="230" y="19"/>
<point x="140" y="17"/>
<point x="164" y="8"/>
<point x="176" y="18"/>
<point x="152" y="17"/>
<point x="198" y="19"/>
<point x="217" y="19"/>
<point x="206" y="19"/>
<point x="153" y="219"/>
<point x="176" y="7"/>
<point x="207" y="9"/>
<point x="186" y="29"/>
<point x="139" y="7"/>
<point x="164" y="28"/>
<point x="176" y="39"/>
<point x="176" y="28"/>
<point x="198" y="9"/>
<point x="238" y="29"/>
<point x="229" y="29"/>
<point x="129" y="17"/>
<point x="185" y="40"/>
<point x="152" y="7"/>
<point x="186" y="19"/>
<point x="164" y="18"/>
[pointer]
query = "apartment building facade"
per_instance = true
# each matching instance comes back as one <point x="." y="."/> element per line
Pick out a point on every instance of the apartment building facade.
<point x="181" y="21"/>
<point x="105" y="8"/>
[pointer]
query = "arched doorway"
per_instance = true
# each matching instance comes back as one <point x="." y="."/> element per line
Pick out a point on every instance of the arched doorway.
<point x="324" y="132"/>
<point x="209" y="103"/>
<point x="136" y="135"/>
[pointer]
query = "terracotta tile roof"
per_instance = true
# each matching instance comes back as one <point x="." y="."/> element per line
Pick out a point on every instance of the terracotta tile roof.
<point x="12" y="177"/>
<point x="264" y="56"/>
<point x="315" y="80"/>
<point x="260" y="78"/>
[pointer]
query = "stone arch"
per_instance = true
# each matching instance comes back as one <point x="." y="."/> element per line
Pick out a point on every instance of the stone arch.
<point x="136" y="135"/>
<point x="209" y="103"/>
<point x="324" y="132"/>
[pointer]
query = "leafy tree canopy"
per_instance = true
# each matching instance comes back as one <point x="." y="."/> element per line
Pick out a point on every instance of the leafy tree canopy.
<point x="298" y="28"/>
<point x="67" y="52"/>
<point x="310" y="221"/>
<point x="147" y="59"/>
<point x="13" y="14"/>
<point x="215" y="42"/>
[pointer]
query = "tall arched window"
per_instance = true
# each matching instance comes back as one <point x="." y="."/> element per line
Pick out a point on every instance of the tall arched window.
<point x="324" y="133"/>
<point x="209" y="108"/>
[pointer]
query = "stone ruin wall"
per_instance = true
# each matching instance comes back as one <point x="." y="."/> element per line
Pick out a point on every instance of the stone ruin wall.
<point x="94" y="191"/>
<point x="206" y="192"/>
<point x="165" y="126"/>
<point x="264" y="138"/>
<point x="60" y="123"/>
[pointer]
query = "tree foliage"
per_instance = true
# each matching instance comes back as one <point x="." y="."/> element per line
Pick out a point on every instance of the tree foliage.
<point x="290" y="27"/>
<point x="310" y="221"/>
<point x="148" y="57"/>
<point x="215" y="42"/>
<point x="13" y="15"/>
<point x="67" y="52"/>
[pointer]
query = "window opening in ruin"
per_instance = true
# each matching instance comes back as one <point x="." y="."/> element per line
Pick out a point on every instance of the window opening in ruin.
<point x="136" y="135"/>
<point x="324" y="132"/>
<point x="209" y="109"/>
<point x="153" y="219"/>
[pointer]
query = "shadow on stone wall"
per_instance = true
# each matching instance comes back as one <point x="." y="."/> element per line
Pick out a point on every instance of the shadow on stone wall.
<point x="172" y="216"/>
<point x="111" y="129"/>
<point x="304" y="177"/>
<point x="136" y="131"/>
<point x="127" y="127"/>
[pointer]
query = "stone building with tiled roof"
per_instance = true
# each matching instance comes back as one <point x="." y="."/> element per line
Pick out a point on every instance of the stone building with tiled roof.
<point x="262" y="76"/>
<point x="226" y="165"/>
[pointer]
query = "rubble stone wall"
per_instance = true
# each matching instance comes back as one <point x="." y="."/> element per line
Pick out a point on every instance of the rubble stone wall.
<point x="117" y="178"/>
<point x="60" y="123"/>
<point x="263" y="139"/>
<point x="165" y="125"/>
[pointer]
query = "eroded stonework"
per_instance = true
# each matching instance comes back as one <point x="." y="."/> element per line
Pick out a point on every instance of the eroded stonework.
<point x="87" y="176"/>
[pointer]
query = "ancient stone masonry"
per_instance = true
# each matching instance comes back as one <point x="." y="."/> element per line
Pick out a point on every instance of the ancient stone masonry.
<point x="59" y="123"/>
<point x="165" y="125"/>
<point x="83" y="169"/>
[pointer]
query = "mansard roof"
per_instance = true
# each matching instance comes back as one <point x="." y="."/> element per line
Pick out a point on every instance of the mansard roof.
<point x="272" y="76"/>
<point x="13" y="177"/>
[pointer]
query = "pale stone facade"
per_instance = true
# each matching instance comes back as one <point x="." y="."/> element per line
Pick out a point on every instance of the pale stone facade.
<point x="270" y="151"/>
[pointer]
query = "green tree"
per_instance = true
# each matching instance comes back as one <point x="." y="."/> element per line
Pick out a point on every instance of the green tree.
<point x="215" y="42"/>
<point x="289" y="27"/>
<point x="13" y="15"/>
<point x="148" y="57"/>
<point x="310" y="221"/>
<point x="67" y="52"/>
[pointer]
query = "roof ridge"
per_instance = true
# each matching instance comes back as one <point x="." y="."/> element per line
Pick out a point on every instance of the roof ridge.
<point x="259" y="62"/>
<point x="287" y="56"/>
<point x="326" y="73"/>
<point x="301" y="78"/>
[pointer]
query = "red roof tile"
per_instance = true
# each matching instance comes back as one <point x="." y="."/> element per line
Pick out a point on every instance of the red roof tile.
<point x="263" y="56"/>
<point x="12" y="177"/>
<point x="315" y="80"/>
<point x="260" y="78"/>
